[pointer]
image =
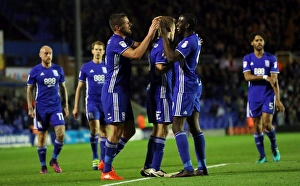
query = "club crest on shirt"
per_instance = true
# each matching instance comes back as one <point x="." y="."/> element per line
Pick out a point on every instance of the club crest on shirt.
<point x="55" y="73"/>
<point x="184" y="44"/>
<point x="104" y="70"/>
<point x="267" y="63"/>
<point x="123" y="44"/>
<point x="245" y="64"/>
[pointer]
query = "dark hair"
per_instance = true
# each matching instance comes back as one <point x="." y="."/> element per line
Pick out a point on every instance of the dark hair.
<point x="116" y="20"/>
<point x="190" y="19"/>
<point x="97" y="43"/>
<point x="259" y="33"/>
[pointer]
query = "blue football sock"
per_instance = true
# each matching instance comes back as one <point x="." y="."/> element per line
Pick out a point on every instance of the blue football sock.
<point x="57" y="148"/>
<point x="158" y="153"/>
<point x="150" y="152"/>
<point x="94" y="145"/>
<point x="199" y="142"/>
<point x="110" y="153"/>
<point x="102" y="147"/>
<point x="183" y="149"/>
<point x="259" y="141"/>
<point x="121" y="144"/>
<point x="272" y="137"/>
<point x="42" y="151"/>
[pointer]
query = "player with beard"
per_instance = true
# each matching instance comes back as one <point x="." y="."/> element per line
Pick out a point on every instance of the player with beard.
<point x="260" y="69"/>
<point x="115" y="95"/>
<point x="48" y="80"/>
<point x="92" y="75"/>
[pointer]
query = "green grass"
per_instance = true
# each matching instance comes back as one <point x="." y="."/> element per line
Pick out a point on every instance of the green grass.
<point x="20" y="166"/>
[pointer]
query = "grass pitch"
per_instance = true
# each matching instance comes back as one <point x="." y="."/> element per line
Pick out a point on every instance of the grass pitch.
<point x="231" y="160"/>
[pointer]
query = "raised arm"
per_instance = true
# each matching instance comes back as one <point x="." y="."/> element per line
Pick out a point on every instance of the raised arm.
<point x="172" y="56"/>
<point x="138" y="52"/>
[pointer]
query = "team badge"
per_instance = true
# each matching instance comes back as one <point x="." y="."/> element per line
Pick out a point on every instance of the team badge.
<point x="184" y="44"/>
<point x="55" y="73"/>
<point x="123" y="44"/>
<point x="104" y="70"/>
<point x="267" y="63"/>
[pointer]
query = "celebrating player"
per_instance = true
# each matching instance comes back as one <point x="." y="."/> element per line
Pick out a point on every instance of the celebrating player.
<point x="159" y="102"/>
<point x="116" y="88"/>
<point x="186" y="94"/>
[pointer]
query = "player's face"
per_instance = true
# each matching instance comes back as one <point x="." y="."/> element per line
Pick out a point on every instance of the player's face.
<point x="98" y="51"/>
<point x="125" y="28"/>
<point x="46" y="55"/>
<point x="258" y="43"/>
<point x="180" y="25"/>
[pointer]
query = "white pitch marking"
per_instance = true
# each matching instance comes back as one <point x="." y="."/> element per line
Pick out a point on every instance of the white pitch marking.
<point x="147" y="178"/>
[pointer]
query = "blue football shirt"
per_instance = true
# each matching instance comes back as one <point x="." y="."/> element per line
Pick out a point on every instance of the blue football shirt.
<point x="162" y="85"/>
<point x="93" y="75"/>
<point x="186" y="78"/>
<point x="259" y="90"/>
<point x="118" y="67"/>
<point x="47" y="82"/>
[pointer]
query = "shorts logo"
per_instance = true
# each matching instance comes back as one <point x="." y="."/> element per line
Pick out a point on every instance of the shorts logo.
<point x="91" y="115"/>
<point x="123" y="116"/>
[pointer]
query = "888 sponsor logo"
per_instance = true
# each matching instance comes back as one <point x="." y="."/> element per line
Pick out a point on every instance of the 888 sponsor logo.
<point x="50" y="81"/>
<point x="259" y="71"/>
<point x="99" y="78"/>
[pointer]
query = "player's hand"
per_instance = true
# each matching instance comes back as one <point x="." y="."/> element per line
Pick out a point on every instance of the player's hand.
<point x="154" y="26"/>
<point x="75" y="113"/>
<point x="31" y="112"/>
<point x="279" y="106"/>
<point x="66" y="111"/>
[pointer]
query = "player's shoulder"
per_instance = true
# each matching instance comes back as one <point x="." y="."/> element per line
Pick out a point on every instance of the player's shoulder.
<point x="269" y="55"/>
<point x="248" y="56"/>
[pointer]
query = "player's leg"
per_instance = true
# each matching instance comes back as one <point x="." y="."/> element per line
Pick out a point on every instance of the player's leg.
<point x="129" y="129"/>
<point x="58" y="122"/>
<point x="182" y="108"/>
<point x="160" y="142"/>
<point x="199" y="143"/>
<point x="41" y="123"/>
<point x="271" y="133"/>
<point x="116" y="130"/>
<point x="42" y="150"/>
<point x="259" y="139"/>
<point x="113" y="107"/>
<point x="103" y="138"/>
<point x="182" y="146"/>
<point x="94" y="135"/>
<point x="58" y="145"/>
<point x="254" y="110"/>
<point x="145" y="171"/>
